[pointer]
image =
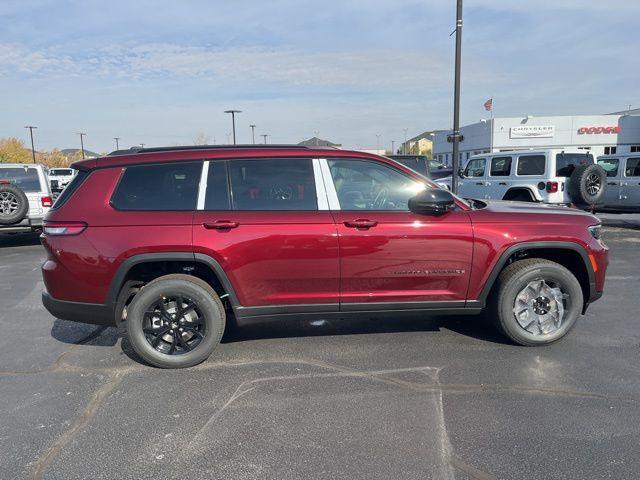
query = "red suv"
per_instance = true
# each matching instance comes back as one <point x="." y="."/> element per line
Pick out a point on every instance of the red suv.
<point x="176" y="240"/>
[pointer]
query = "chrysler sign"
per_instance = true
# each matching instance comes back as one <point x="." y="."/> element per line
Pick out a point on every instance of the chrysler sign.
<point x="530" y="131"/>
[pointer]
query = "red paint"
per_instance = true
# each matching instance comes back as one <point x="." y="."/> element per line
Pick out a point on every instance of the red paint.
<point x="280" y="258"/>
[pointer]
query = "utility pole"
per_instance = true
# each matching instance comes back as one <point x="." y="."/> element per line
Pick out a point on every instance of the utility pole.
<point x="404" y="145"/>
<point x="456" y="100"/>
<point x="82" y="134"/>
<point x="264" y="136"/>
<point x="117" y="139"/>
<point x="33" y="150"/>
<point x="233" y="122"/>
<point x="253" y="134"/>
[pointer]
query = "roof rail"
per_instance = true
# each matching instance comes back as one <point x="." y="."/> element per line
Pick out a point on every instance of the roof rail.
<point x="136" y="150"/>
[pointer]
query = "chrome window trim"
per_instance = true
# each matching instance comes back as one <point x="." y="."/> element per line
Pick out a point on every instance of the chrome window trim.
<point x="329" y="186"/>
<point x="202" y="186"/>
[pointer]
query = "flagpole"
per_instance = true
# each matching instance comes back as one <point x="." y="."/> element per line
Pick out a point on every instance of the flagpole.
<point x="492" y="126"/>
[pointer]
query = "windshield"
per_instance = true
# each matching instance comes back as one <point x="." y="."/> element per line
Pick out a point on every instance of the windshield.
<point x="61" y="171"/>
<point x="25" y="178"/>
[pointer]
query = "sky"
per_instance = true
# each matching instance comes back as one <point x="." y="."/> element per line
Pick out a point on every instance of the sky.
<point x="163" y="72"/>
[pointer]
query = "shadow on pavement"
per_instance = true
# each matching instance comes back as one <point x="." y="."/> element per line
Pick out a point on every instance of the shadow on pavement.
<point x="19" y="239"/>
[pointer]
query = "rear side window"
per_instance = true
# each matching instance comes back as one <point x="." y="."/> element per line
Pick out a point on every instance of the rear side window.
<point x="217" y="196"/>
<point x="531" y="165"/>
<point x="26" y="179"/>
<point x="633" y="167"/>
<point x="501" y="166"/>
<point x="170" y="186"/>
<point x="567" y="162"/>
<point x="71" y="188"/>
<point x="273" y="184"/>
<point x="610" y="165"/>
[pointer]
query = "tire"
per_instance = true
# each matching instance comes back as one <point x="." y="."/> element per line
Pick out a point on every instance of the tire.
<point x="587" y="184"/>
<point x="197" y="297"/>
<point x="514" y="280"/>
<point x="14" y="205"/>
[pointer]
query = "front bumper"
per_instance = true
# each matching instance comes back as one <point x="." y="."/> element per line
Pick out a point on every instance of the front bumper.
<point x="93" y="313"/>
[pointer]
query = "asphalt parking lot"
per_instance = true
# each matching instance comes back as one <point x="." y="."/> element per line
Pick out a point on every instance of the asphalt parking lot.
<point x="374" y="398"/>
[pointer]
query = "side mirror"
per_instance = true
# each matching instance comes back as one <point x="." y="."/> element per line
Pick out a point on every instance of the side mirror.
<point x="461" y="173"/>
<point x="433" y="201"/>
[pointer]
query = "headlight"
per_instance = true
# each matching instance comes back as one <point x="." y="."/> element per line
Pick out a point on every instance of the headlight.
<point x="596" y="231"/>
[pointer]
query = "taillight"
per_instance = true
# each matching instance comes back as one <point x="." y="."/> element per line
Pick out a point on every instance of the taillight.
<point x="46" y="201"/>
<point x="5" y="182"/>
<point x="552" y="187"/>
<point x="63" y="228"/>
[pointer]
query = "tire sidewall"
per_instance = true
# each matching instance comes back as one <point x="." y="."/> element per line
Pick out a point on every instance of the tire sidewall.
<point x="23" y="205"/>
<point x="550" y="273"/>
<point x="210" y="309"/>
<point x="578" y="184"/>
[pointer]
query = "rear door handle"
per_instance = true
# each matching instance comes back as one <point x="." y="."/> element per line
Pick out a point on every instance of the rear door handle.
<point x="611" y="183"/>
<point x="502" y="183"/>
<point x="220" y="225"/>
<point x="479" y="183"/>
<point x="360" y="223"/>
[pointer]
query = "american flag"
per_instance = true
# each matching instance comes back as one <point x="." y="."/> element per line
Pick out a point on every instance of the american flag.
<point x="488" y="105"/>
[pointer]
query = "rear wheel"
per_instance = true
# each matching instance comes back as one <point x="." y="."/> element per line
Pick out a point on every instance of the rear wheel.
<point x="536" y="302"/>
<point x="175" y="321"/>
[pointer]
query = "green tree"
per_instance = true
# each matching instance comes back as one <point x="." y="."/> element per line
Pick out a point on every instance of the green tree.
<point x="12" y="150"/>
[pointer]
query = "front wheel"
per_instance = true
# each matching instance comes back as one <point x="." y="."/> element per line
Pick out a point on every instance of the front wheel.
<point x="175" y="321"/>
<point x="537" y="301"/>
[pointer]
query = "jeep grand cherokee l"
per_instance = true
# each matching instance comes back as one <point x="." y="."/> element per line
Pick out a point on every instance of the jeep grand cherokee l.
<point x="173" y="241"/>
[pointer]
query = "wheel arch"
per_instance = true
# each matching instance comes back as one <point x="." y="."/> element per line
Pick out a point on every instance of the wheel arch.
<point x="140" y="269"/>
<point x="520" y="189"/>
<point x="571" y="255"/>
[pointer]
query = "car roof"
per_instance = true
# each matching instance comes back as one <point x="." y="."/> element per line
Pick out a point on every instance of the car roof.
<point x="212" y="152"/>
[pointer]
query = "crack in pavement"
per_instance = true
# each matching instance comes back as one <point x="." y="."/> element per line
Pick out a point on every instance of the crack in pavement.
<point x="76" y="427"/>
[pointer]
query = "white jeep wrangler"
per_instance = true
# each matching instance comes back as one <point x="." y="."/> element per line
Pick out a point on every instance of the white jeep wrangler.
<point x="25" y="197"/>
<point x="558" y="176"/>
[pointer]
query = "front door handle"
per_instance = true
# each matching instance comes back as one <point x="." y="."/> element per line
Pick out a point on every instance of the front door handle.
<point x="611" y="183"/>
<point x="502" y="183"/>
<point x="479" y="183"/>
<point x="360" y="223"/>
<point x="220" y="225"/>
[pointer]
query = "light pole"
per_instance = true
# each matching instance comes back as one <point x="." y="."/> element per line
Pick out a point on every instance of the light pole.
<point x="82" y="134"/>
<point x="264" y="136"/>
<point x="456" y="100"/>
<point x="377" y="142"/>
<point x="253" y="134"/>
<point x="404" y="145"/>
<point x="233" y="122"/>
<point x="117" y="139"/>
<point x="33" y="150"/>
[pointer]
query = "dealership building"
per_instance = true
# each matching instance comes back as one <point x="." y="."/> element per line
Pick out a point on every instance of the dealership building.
<point x="599" y="134"/>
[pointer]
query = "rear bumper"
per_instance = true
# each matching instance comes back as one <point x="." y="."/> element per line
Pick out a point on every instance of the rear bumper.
<point x="93" y="313"/>
<point x="25" y="225"/>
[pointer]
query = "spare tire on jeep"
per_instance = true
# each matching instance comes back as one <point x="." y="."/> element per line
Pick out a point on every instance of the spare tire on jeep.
<point x="587" y="184"/>
<point x="14" y="204"/>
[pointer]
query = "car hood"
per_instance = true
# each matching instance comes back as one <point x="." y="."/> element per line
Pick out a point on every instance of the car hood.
<point x="510" y="208"/>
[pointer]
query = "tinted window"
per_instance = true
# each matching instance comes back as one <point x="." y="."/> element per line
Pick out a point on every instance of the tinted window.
<point x="25" y="178"/>
<point x="171" y="186"/>
<point x="500" y="166"/>
<point x="531" y="165"/>
<point x="475" y="168"/>
<point x="278" y="184"/>
<point x="416" y="164"/>
<point x="217" y="196"/>
<point x="72" y="187"/>
<point x="610" y="166"/>
<point x="633" y="167"/>
<point x="366" y="185"/>
<point x="567" y="162"/>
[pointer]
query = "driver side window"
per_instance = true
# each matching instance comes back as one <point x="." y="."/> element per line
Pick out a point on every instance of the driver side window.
<point x="368" y="185"/>
<point x="475" y="168"/>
